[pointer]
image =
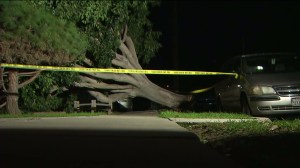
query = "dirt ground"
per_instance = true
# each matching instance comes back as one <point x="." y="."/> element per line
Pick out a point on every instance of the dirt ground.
<point x="276" y="150"/>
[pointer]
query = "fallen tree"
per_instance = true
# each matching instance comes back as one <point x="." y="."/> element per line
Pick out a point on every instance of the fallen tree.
<point x="100" y="21"/>
<point x="129" y="85"/>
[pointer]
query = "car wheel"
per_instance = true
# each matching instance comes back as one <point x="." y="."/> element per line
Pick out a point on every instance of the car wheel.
<point x="245" y="106"/>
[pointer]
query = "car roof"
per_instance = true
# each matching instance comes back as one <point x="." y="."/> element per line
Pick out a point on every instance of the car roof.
<point x="265" y="54"/>
<point x="258" y="54"/>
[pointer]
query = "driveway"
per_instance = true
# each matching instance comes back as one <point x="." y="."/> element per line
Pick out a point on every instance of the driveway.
<point x="102" y="141"/>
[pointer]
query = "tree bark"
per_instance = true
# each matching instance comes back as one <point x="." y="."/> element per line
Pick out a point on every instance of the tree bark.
<point x="13" y="94"/>
<point x="2" y="89"/>
<point x="130" y="85"/>
<point x="1" y="80"/>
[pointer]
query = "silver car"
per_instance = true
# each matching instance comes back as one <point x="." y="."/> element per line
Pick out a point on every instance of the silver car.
<point x="267" y="84"/>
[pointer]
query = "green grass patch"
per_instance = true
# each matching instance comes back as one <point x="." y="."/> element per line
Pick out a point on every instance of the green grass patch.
<point x="231" y="128"/>
<point x="172" y="114"/>
<point x="53" y="114"/>
<point x="291" y="125"/>
<point x="215" y="131"/>
<point x="261" y="141"/>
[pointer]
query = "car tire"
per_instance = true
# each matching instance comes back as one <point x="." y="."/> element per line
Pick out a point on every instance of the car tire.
<point x="245" y="106"/>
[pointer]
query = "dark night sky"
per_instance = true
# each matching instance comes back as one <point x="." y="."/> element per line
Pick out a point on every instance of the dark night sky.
<point x="205" y="34"/>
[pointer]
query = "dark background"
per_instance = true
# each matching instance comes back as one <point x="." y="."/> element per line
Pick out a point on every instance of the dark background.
<point x="202" y="35"/>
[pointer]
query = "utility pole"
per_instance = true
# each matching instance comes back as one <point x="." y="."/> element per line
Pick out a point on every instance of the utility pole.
<point x="174" y="44"/>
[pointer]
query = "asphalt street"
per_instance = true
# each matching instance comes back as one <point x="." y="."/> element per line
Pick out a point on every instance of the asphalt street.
<point x="102" y="141"/>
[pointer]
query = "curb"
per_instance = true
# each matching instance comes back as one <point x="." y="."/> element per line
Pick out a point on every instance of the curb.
<point x="208" y="120"/>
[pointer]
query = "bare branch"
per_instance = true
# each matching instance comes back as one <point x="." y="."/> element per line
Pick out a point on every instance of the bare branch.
<point x="129" y="56"/>
<point x="99" y="96"/>
<point x="120" y="57"/>
<point x="124" y="33"/>
<point x="118" y="96"/>
<point x="131" y="48"/>
<point x="108" y="99"/>
<point x="88" y="62"/>
<point x="3" y="105"/>
<point x="2" y="85"/>
<point x="124" y="78"/>
<point x="55" y="88"/>
<point x="122" y="90"/>
<point x="94" y="84"/>
<point x="132" y="92"/>
<point x="28" y="73"/>
<point x="31" y="79"/>
<point x="122" y="62"/>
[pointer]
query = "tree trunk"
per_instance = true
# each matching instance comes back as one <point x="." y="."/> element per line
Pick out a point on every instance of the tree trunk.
<point x="13" y="94"/>
<point x="163" y="96"/>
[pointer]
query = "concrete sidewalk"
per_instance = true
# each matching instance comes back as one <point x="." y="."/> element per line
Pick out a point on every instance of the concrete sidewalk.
<point x="103" y="141"/>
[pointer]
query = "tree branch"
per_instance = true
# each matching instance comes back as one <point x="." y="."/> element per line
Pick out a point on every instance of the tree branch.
<point x="94" y="84"/>
<point x="99" y="96"/>
<point x="124" y="78"/>
<point x="124" y="33"/>
<point x="127" y="47"/>
<point x="55" y="88"/>
<point x="132" y="92"/>
<point x="138" y="84"/>
<point x="88" y="62"/>
<point x="122" y="62"/>
<point x="118" y="96"/>
<point x="3" y="105"/>
<point x="31" y="79"/>
<point x="27" y="73"/>
<point x="131" y="48"/>
<point x="2" y="80"/>
<point x="129" y="56"/>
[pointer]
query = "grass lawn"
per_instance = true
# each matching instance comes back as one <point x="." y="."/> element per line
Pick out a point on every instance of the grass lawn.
<point x="216" y="115"/>
<point x="253" y="144"/>
<point x="163" y="114"/>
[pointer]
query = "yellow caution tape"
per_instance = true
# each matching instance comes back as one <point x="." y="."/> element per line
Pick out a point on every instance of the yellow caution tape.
<point x="202" y="90"/>
<point x="110" y="70"/>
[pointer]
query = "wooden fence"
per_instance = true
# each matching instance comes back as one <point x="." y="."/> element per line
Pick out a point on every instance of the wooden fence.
<point x="93" y="105"/>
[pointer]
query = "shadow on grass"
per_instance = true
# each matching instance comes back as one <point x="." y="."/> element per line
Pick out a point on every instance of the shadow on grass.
<point x="272" y="151"/>
<point x="285" y="117"/>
